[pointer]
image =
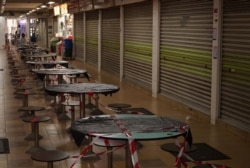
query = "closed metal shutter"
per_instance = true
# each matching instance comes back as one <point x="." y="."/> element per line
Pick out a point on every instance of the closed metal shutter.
<point x="235" y="80"/>
<point x="78" y="35"/>
<point x="111" y="40"/>
<point x="186" y="52"/>
<point x="92" y="37"/>
<point x="43" y="31"/>
<point x="55" y="25"/>
<point x="138" y="43"/>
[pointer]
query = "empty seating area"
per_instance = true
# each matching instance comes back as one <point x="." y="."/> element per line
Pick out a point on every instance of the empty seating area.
<point x="23" y="93"/>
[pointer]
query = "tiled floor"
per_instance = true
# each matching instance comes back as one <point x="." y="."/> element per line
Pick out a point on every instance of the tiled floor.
<point x="232" y="142"/>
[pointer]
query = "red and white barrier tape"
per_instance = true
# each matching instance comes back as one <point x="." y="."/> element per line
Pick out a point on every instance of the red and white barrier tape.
<point x="89" y="146"/>
<point x="132" y="142"/>
<point x="182" y="153"/>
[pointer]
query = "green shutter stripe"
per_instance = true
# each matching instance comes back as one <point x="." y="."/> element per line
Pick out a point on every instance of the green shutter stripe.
<point x="186" y="51"/>
<point x="92" y="37"/>
<point x="111" y="40"/>
<point x="139" y="48"/>
<point x="235" y="81"/>
<point x="138" y="43"/>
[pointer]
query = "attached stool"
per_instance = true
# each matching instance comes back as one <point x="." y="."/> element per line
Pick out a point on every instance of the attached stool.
<point x="30" y="111"/>
<point x="62" y="116"/>
<point x="172" y="148"/>
<point x="49" y="156"/>
<point x="109" y="144"/>
<point x="25" y="95"/>
<point x="23" y="88"/>
<point x="72" y="78"/>
<point x="96" y="111"/>
<point x="72" y="105"/>
<point x="18" y="79"/>
<point x="207" y="165"/>
<point x="35" y="120"/>
<point x="118" y="106"/>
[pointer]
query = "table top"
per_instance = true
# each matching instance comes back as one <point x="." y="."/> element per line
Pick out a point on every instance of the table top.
<point x="139" y="127"/>
<point x="47" y="62"/>
<point x="62" y="71"/>
<point x="77" y="88"/>
<point x="41" y="55"/>
<point x="49" y="156"/>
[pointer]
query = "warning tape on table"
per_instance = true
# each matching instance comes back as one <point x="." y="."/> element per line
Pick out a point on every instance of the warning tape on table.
<point x="182" y="149"/>
<point x="132" y="142"/>
<point x="89" y="146"/>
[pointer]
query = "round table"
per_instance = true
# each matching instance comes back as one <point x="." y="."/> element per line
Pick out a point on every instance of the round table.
<point x="40" y="56"/>
<point x="60" y="72"/>
<point x="129" y="127"/>
<point x="82" y="89"/>
<point x="47" y="64"/>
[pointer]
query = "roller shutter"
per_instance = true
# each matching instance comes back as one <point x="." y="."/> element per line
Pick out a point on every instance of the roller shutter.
<point x="185" y="52"/>
<point x="138" y="43"/>
<point x="111" y="40"/>
<point x="55" y="25"/>
<point x="235" y="80"/>
<point x="43" y="30"/>
<point x="92" y="37"/>
<point x="78" y="35"/>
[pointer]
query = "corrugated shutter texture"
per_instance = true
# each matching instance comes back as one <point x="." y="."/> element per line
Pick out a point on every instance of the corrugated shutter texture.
<point x="185" y="52"/>
<point x="44" y="31"/>
<point x="78" y="35"/>
<point x="92" y="37"/>
<point x="138" y="43"/>
<point x="55" y="25"/>
<point x="235" y="84"/>
<point x="111" y="40"/>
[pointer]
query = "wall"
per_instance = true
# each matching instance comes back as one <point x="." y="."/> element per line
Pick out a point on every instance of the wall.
<point x="2" y="30"/>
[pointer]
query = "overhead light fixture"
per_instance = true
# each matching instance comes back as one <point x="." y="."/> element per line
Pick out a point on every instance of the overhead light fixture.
<point x="43" y="6"/>
<point x="51" y="2"/>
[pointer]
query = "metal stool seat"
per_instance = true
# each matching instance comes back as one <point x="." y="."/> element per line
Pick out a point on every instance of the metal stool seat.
<point x="118" y="106"/>
<point x="207" y="165"/>
<point x="49" y="156"/>
<point x="109" y="144"/>
<point x="30" y="111"/>
<point x="72" y="105"/>
<point x="35" y="120"/>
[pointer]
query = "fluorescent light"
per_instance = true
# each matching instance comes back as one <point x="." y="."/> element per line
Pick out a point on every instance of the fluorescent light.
<point x="51" y="2"/>
<point x="43" y="6"/>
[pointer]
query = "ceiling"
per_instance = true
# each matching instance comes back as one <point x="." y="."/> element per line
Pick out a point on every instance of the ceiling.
<point x="16" y="8"/>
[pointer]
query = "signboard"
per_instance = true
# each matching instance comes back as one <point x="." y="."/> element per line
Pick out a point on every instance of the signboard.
<point x="103" y="3"/>
<point x="73" y="6"/>
<point x="123" y="2"/>
<point x="56" y="10"/>
<point x="64" y="8"/>
<point x="85" y="5"/>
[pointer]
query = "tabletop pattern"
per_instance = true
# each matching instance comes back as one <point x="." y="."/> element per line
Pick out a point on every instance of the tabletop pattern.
<point x="141" y="127"/>
<point x="82" y="88"/>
